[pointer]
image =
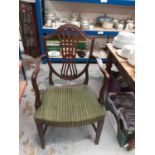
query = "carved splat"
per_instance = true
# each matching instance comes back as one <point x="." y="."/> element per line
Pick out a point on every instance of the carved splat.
<point x="69" y="37"/>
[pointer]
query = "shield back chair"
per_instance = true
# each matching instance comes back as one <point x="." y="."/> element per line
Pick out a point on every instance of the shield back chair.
<point x="71" y="105"/>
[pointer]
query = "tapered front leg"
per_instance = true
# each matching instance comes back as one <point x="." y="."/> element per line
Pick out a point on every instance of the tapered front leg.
<point x="98" y="131"/>
<point x="41" y="134"/>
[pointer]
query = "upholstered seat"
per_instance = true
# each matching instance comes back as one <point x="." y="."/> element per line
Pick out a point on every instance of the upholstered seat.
<point x="69" y="106"/>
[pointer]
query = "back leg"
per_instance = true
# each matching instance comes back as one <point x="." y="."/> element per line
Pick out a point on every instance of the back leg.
<point x="98" y="131"/>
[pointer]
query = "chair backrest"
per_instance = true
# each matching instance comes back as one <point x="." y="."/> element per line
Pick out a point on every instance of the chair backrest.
<point x="69" y="37"/>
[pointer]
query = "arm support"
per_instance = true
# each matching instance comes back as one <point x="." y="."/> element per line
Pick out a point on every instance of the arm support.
<point x="34" y="80"/>
<point x="106" y="79"/>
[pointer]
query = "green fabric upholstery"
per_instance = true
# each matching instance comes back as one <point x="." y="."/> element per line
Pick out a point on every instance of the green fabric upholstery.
<point x="69" y="106"/>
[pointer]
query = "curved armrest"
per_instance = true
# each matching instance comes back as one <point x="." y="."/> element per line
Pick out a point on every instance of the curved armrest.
<point x="106" y="79"/>
<point x="34" y="81"/>
<point x="37" y="66"/>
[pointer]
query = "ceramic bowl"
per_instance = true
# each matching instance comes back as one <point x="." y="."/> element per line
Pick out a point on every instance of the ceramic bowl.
<point x="125" y="42"/>
<point x="126" y="36"/>
<point x="125" y="51"/>
<point x="107" y="25"/>
<point x="103" y="18"/>
<point x="117" y="44"/>
<point x="121" y="43"/>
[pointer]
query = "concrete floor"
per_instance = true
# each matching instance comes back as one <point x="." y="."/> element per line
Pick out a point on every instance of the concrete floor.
<point x="63" y="141"/>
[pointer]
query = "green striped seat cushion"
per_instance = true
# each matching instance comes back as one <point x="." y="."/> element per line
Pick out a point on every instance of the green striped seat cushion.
<point x="69" y="106"/>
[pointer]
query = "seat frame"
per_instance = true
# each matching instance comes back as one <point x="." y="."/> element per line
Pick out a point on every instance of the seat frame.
<point x="68" y="44"/>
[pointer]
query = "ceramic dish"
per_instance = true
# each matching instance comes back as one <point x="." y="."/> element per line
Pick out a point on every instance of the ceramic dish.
<point x="126" y="36"/>
<point x="103" y="18"/>
<point x="54" y="53"/>
<point x="127" y="49"/>
<point x="124" y="41"/>
<point x="131" y="63"/>
<point x="120" y="53"/>
<point x="118" y="44"/>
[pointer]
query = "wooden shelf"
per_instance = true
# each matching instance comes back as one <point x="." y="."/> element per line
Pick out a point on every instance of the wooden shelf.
<point x="100" y="54"/>
<point x="59" y="59"/>
<point x="95" y="31"/>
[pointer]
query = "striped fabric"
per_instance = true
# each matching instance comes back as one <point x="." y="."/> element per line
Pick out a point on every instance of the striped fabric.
<point x="69" y="106"/>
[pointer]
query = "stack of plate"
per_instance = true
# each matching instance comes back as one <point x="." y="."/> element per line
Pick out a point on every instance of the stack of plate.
<point x="125" y="51"/>
<point x="124" y="38"/>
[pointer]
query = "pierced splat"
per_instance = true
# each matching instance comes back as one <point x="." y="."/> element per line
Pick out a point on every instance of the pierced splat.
<point x="69" y="37"/>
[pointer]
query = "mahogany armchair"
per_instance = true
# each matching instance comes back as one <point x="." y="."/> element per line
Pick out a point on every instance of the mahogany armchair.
<point x="71" y="105"/>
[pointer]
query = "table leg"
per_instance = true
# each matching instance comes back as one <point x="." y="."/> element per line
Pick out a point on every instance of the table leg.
<point x="109" y="62"/>
<point x="131" y="143"/>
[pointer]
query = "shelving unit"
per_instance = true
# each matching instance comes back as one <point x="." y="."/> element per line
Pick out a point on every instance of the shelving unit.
<point x="97" y="32"/>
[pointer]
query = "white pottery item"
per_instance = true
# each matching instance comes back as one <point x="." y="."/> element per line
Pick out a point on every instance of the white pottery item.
<point x="76" y="23"/>
<point x="91" y="27"/>
<point x="131" y="58"/>
<point x="126" y="36"/>
<point x="48" y="23"/>
<point x="117" y="44"/>
<point x="54" y="53"/>
<point x="85" y="24"/>
<point x="107" y="25"/>
<point x="120" y="26"/>
<point x="125" y="51"/>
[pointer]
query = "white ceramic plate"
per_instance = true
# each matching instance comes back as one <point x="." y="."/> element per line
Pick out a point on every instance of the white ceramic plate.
<point x="117" y="44"/>
<point x="124" y="41"/>
<point x="53" y="53"/>
<point x="131" y="62"/>
<point x="126" y="36"/>
<point x="120" y="53"/>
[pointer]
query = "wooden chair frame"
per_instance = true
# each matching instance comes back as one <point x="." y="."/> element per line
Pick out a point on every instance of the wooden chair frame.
<point x="70" y="56"/>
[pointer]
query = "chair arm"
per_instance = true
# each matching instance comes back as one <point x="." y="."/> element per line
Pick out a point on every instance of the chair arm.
<point x="37" y="66"/>
<point x="100" y="64"/>
<point x="106" y="79"/>
<point x="34" y="80"/>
